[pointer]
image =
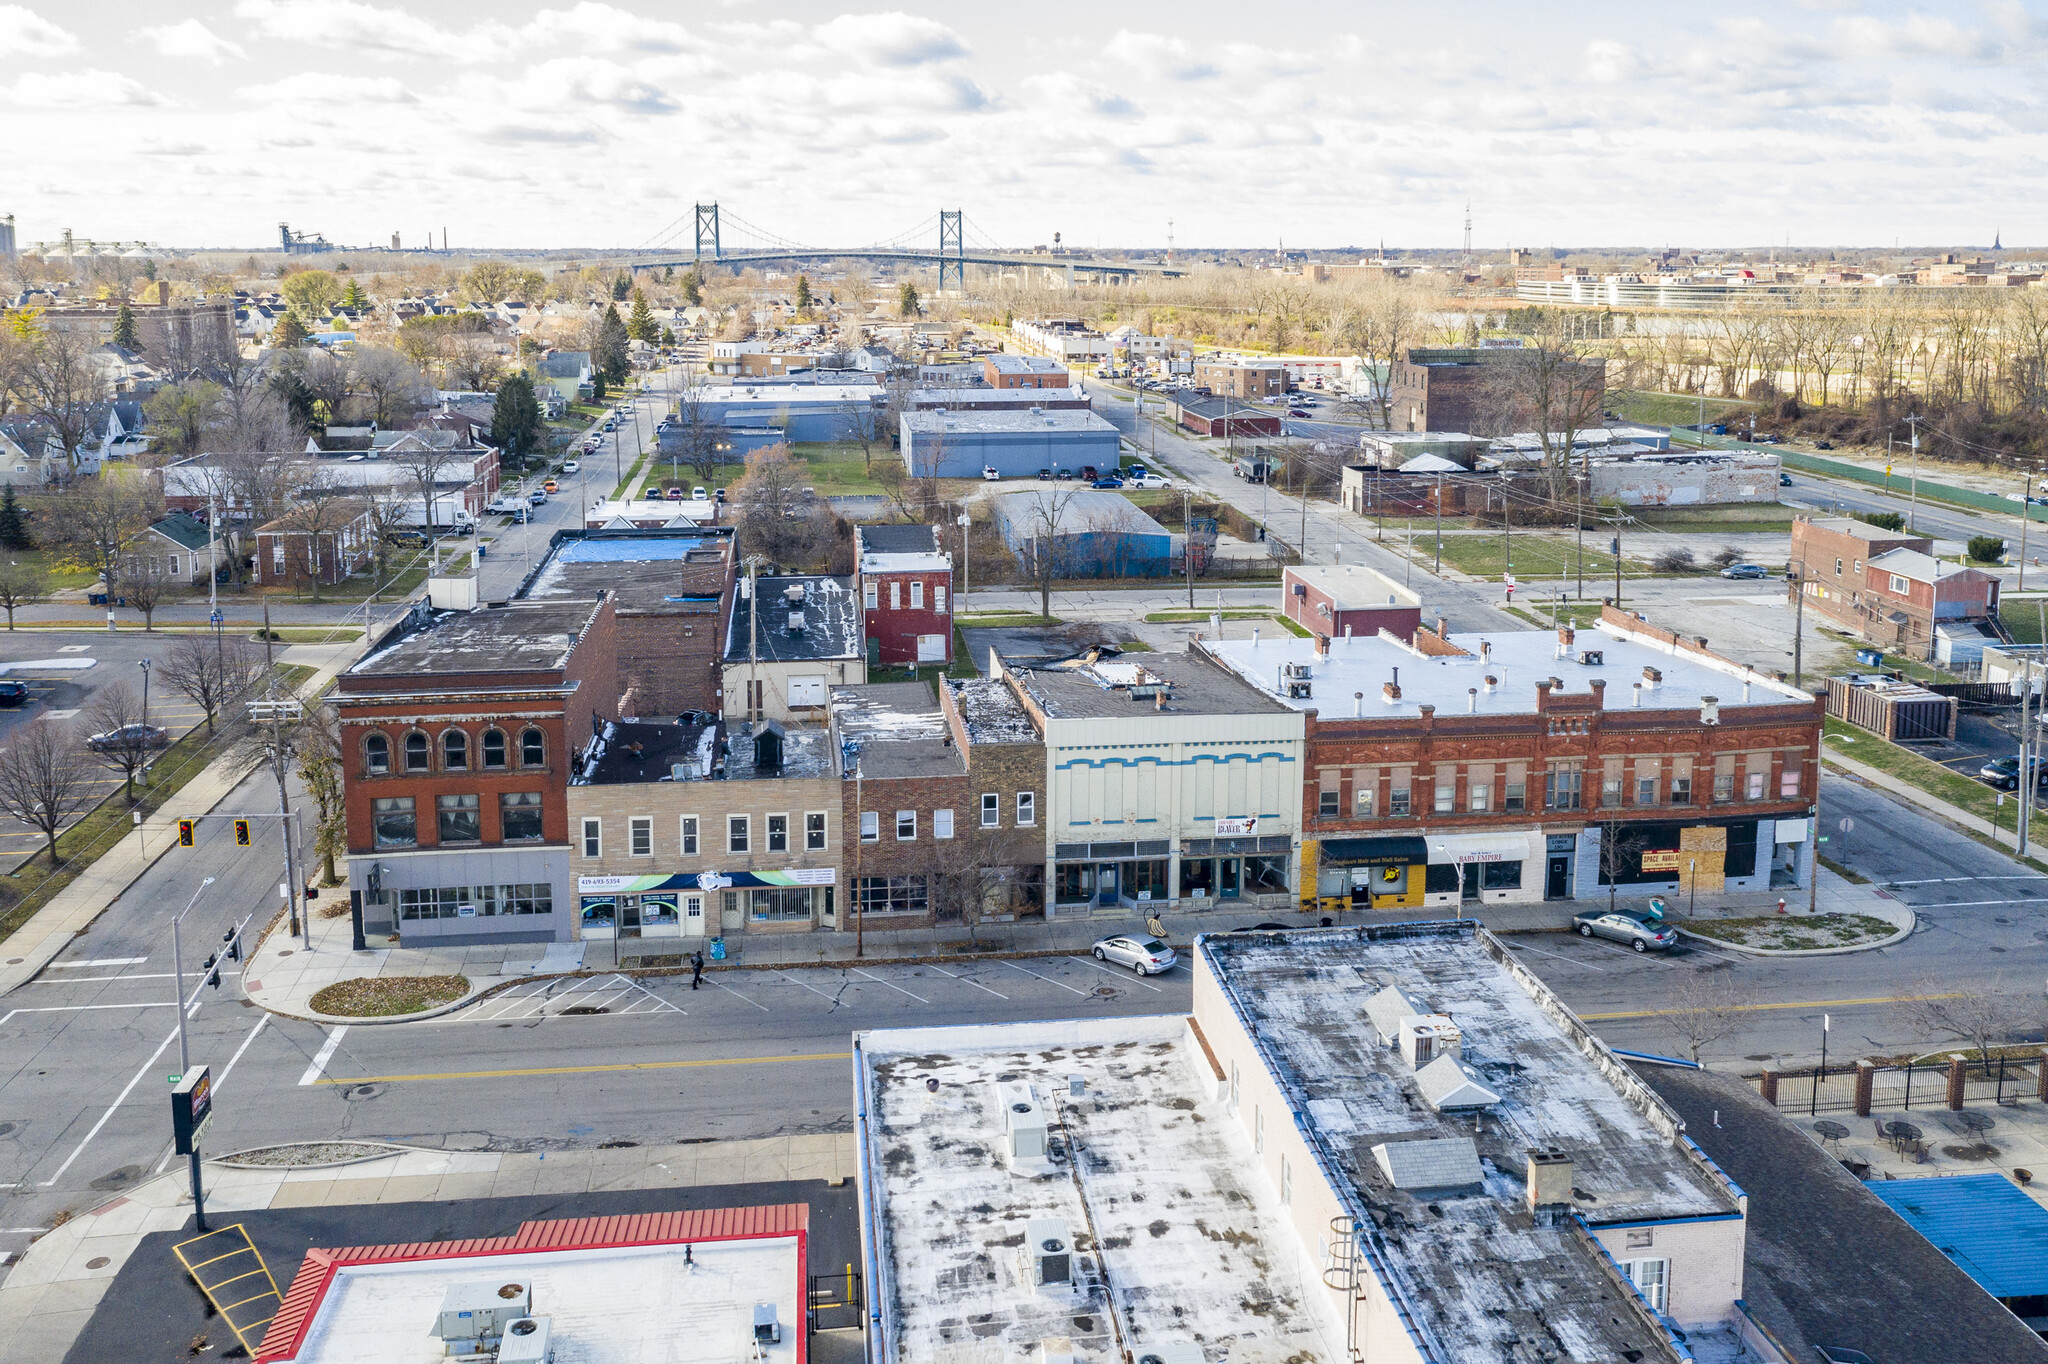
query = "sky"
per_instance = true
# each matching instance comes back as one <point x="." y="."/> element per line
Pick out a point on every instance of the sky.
<point x="584" y="123"/>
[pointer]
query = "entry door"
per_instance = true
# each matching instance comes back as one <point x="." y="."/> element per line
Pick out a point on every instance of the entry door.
<point x="1559" y="886"/>
<point x="731" y="918"/>
<point x="1105" y="884"/>
<point x="693" y="916"/>
<point x="1471" y="881"/>
<point x="1227" y="876"/>
<point x="629" y="916"/>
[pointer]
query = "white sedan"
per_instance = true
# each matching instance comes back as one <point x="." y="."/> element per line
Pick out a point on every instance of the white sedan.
<point x="1146" y="956"/>
<point x="570" y="466"/>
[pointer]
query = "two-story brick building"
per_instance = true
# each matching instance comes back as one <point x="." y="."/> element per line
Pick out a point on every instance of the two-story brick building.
<point x="1023" y="371"/>
<point x="1246" y="380"/>
<point x="1006" y="782"/>
<point x="459" y="730"/>
<point x="788" y="642"/>
<point x="1334" y="600"/>
<point x="911" y="853"/>
<point x="1462" y="389"/>
<point x="1886" y="586"/>
<point x="905" y="582"/>
<point x="684" y="831"/>
<point x="1539" y="765"/>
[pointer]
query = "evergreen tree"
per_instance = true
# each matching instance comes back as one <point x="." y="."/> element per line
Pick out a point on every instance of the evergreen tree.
<point x="622" y="284"/>
<point x="640" y="324"/>
<point x="354" y="297"/>
<point x="296" y="395"/>
<point x="610" y="359"/>
<point x="290" y="332"/>
<point x="597" y="388"/>
<point x="907" y="301"/>
<point x="13" y="523"/>
<point x="803" y="291"/>
<point x="124" y="329"/>
<point x="668" y="336"/>
<point x="693" y="289"/>
<point x="516" y="426"/>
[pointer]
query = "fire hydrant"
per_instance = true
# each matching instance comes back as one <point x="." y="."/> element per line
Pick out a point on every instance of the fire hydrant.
<point x="1781" y="904"/>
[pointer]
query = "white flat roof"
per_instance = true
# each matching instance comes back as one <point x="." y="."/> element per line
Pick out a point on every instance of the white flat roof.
<point x="615" y="1306"/>
<point x="1517" y="659"/>
<point x="1353" y="586"/>
<point x="792" y="395"/>
<point x="1182" y="1220"/>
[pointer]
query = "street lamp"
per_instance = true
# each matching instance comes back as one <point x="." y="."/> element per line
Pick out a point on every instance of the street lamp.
<point x="964" y="521"/>
<point x="1459" y="863"/>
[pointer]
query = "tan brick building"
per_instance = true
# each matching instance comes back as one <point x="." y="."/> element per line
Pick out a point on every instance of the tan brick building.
<point x="682" y="832"/>
<point x="1246" y="380"/>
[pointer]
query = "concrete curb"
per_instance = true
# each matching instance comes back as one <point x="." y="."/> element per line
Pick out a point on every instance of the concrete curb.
<point x="350" y="1021"/>
<point x="1904" y="911"/>
<point x="388" y="1149"/>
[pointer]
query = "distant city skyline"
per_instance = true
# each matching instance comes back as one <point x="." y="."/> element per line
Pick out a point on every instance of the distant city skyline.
<point x="588" y="124"/>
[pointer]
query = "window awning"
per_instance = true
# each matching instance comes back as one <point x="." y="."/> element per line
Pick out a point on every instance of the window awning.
<point x="1498" y="847"/>
<point x="1374" y="852"/>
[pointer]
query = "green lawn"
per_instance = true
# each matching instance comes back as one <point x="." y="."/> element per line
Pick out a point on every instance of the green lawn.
<point x="1749" y="520"/>
<point x="1671" y="409"/>
<point x="1193" y="617"/>
<point x="2023" y="618"/>
<point x="1534" y="556"/>
<point x="1958" y="790"/>
<point x="60" y="574"/>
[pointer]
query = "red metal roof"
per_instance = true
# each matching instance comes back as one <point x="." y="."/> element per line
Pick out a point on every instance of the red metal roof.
<point x="287" y="1331"/>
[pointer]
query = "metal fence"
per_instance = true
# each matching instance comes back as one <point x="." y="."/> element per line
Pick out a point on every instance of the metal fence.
<point x="1999" y="1080"/>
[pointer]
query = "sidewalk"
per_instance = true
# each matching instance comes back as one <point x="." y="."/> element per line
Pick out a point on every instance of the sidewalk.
<point x="282" y="976"/>
<point x="48" y="1297"/>
<point x="36" y="943"/>
<point x="1913" y="795"/>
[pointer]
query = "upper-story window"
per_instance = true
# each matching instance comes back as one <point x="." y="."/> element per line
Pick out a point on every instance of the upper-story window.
<point x="533" y="748"/>
<point x="1899" y="585"/>
<point x="869" y="594"/>
<point x="494" y="748"/>
<point x="418" y="752"/>
<point x="455" y="751"/>
<point x="917" y="594"/>
<point x="376" y="755"/>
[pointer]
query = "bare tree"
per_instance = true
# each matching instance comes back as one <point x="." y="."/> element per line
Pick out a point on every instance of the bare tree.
<point x="425" y="461"/>
<point x="1047" y="519"/>
<point x="21" y="585"/>
<point x="210" y="672"/>
<point x="319" y="761"/>
<point x="322" y="508"/>
<point x="143" y="584"/>
<point x="1705" y="1007"/>
<point x="473" y="364"/>
<point x="94" y="521"/>
<point x="1555" y="386"/>
<point x="776" y="517"/>
<point x="694" y="441"/>
<point x="43" y="780"/>
<point x="390" y="518"/>
<point x="1972" y="1009"/>
<point x="389" y="384"/>
<point x="122" y="738"/>
<point x="867" y="422"/>
<point x="51" y="375"/>
<point x="331" y="380"/>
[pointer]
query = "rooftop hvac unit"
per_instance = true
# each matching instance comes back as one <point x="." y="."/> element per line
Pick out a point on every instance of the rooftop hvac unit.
<point x="474" y="1313"/>
<point x="1170" y="1352"/>
<point x="793" y="594"/>
<point x="528" y="1340"/>
<point x="767" y="1330"/>
<point x="1299" y="691"/>
<point x="1024" y="1135"/>
<point x="1590" y="658"/>
<point x="796" y="622"/>
<point x="1297" y="670"/>
<point x="1424" y="1037"/>
<point x="1048" y="1253"/>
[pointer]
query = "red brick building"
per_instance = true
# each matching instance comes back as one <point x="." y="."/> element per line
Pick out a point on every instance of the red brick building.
<point x="1222" y="417"/>
<point x="1540" y="765"/>
<point x="1023" y="371"/>
<point x="1242" y="379"/>
<point x="1457" y="389"/>
<point x="906" y="594"/>
<point x="1887" y="587"/>
<point x="459" y="734"/>
<point x="1348" y="599"/>
<point x="906" y="806"/>
<point x="315" y="542"/>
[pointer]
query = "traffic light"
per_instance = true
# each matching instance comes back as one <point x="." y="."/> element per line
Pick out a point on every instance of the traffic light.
<point x="234" y="942"/>
<point x="241" y="833"/>
<point x="185" y="827"/>
<point x="213" y="971"/>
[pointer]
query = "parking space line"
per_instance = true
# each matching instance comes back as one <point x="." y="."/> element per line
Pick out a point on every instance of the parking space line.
<point x="966" y="981"/>
<point x="737" y="995"/>
<point x="1047" y="979"/>
<point x="1569" y="961"/>
<point x="897" y="988"/>
<point x="323" y="1056"/>
<point x="1136" y="979"/>
<point x="800" y="985"/>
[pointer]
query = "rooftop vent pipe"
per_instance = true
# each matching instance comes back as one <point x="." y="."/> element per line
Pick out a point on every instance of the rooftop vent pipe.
<point x="1357" y="704"/>
<point x="1638" y="701"/>
<point x="1491" y="683"/>
<point x="1471" y="700"/>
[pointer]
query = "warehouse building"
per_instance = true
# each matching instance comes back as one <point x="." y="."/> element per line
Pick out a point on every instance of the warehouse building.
<point x="802" y="412"/>
<point x="945" y="443"/>
<point x="1087" y="533"/>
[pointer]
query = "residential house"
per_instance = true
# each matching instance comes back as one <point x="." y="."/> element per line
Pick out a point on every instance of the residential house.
<point x="906" y="593"/>
<point x="178" y="548"/>
<point x="460" y="729"/>
<point x="1886" y="587"/>
<point x="692" y="829"/>
<point x="566" y="372"/>
<point x="788" y="641"/>
<point x="320" y="542"/>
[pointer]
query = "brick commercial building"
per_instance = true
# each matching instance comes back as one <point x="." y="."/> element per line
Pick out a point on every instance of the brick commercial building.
<point x="1887" y="588"/>
<point x="910" y="855"/>
<point x="1348" y="599"/>
<point x="999" y="399"/>
<point x="1464" y="390"/>
<point x="321" y="542"/>
<point x="1006" y="786"/>
<point x="458" y="733"/>
<point x="178" y="336"/>
<point x="1540" y="765"/>
<point x="906" y="594"/>
<point x="671" y="591"/>
<point x="1245" y="380"/>
<point x="682" y="832"/>
<point x="1023" y="371"/>
<point x="782" y="660"/>
<point x="1222" y="417"/>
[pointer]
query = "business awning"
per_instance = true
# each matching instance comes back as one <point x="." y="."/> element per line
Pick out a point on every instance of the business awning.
<point x="1374" y="852"/>
<point x="1498" y="847"/>
<point x="641" y="885"/>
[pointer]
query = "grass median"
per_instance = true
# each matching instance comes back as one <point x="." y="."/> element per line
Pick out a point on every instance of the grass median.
<point x="1944" y="784"/>
<point x="387" y="996"/>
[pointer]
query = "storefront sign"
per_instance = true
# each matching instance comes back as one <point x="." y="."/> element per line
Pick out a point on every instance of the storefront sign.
<point x="1661" y="860"/>
<point x="191" y="1109"/>
<point x="709" y="880"/>
<point x="1249" y="824"/>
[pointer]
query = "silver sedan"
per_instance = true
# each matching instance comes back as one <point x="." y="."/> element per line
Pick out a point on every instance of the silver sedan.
<point x="1146" y="956"/>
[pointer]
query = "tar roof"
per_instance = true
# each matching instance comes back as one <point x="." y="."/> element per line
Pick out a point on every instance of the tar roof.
<point x="1024" y="364"/>
<point x="519" y="638"/>
<point x="814" y="616"/>
<point x="1060" y="419"/>
<point x="1487" y="1270"/>
<point x="1125" y="688"/>
<point x="992" y="713"/>
<point x="894" y="729"/>
<point x="643" y="751"/>
<point x="1516" y="659"/>
<point x="1179" y="1218"/>
<point x="647" y="571"/>
<point x="912" y="538"/>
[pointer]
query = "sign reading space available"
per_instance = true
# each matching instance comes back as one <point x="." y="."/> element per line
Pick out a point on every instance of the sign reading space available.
<point x="1661" y="860"/>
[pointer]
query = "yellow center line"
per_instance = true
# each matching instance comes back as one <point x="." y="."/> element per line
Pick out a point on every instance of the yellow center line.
<point x="1757" y="1008"/>
<point x="581" y="1070"/>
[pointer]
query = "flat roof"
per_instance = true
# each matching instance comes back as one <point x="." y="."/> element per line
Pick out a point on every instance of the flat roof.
<point x="1063" y="419"/>
<point x="791" y="395"/>
<point x="1076" y="511"/>
<point x="991" y="711"/>
<point x="927" y="399"/>
<point x="1024" y="364"/>
<point x="1354" y="587"/>
<point x="897" y="729"/>
<point x="682" y="570"/>
<point x="1486" y="1271"/>
<point x="520" y="637"/>
<point x="910" y="537"/>
<point x="1123" y="688"/>
<point x="826" y="607"/>
<point x="1180" y="1223"/>
<point x="633" y="751"/>
<point x="1517" y="659"/>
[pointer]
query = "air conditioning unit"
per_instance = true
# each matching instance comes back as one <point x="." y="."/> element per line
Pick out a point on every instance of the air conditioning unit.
<point x="1590" y="658"/>
<point x="1299" y="691"/>
<point x="1024" y="1127"/>
<point x="1048" y="1251"/>
<point x="529" y="1340"/>
<point x="1297" y="670"/>
<point x="767" y="1330"/>
<point x="1170" y="1352"/>
<point x="474" y="1315"/>
<point x="1424" y="1037"/>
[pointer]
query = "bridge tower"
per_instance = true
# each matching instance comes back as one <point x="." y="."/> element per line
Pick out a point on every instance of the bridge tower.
<point x="952" y="251"/>
<point x="707" y="231"/>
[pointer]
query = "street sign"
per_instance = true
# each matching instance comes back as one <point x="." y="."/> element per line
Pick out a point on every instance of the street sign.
<point x="191" y="1109"/>
<point x="215" y="617"/>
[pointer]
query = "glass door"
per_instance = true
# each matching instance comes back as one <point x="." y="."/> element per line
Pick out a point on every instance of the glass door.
<point x="629" y="916"/>
<point x="1471" y="881"/>
<point x="1105" y="884"/>
<point x="1229" y="872"/>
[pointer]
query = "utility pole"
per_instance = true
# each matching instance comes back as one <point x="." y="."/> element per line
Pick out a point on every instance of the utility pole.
<point x="1615" y="545"/>
<point x="1913" y="504"/>
<point x="1579" y="515"/>
<point x="2026" y="515"/>
<point x="1439" y="570"/>
<point x="1507" y="519"/>
<point x="753" y="632"/>
<point x="860" y="921"/>
<point x="1187" y="523"/>
<point x="1799" y="627"/>
<point x="276" y="712"/>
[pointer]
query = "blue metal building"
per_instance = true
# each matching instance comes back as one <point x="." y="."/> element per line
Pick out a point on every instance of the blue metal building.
<point x="1014" y="444"/>
<point x="1988" y="1225"/>
<point x="1088" y="534"/>
<point x="803" y="412"/>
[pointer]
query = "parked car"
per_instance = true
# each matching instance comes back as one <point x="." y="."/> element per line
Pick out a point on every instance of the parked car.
<point x="697" y="494"/>
<point x="1299" y="412"/>
<point x="1045" y="475"/>
<point x="1088" y="473"/>
<point x="989" y="474"/>
<point x="130" y="736"/>
<point x="1107" y="483"/>
<point x="1063" y="473"/>
<point x="2004" y="773"/>
<point x="1784" y="480"/>
<point x="505" y="504"/>
<point x="718" y="494"/>
<point x="1745" y="571"/>
<point x="1147" y="481"/>
<point x="1638" y="930"/>
<point x="550" y="486"/>
<point x="12" y="693"/>
<point x="674" y="494"/>
<point x="570" y="466"/>
<point x="1146" y="956"/>
<point x="537" y="497"/>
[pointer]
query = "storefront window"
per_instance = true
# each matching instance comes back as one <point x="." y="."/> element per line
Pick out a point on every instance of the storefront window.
<point x="782" y="904"/>
<point x="448" y="902"/>
<point x="1265" y="875"/>
<point x="599" y="913"/>
<point x="1197" y="878"/>
<point x="1073" y="882"/>
<point x="1145" y="880"/>
<point x="393" y="819"/>
<point x="1501" y="875"/>
<point x="892" y="895"/>
<point x="657" y="911"/>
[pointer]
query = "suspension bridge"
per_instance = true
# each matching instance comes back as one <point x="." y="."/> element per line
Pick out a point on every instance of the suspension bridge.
<point x="949" y="241"/>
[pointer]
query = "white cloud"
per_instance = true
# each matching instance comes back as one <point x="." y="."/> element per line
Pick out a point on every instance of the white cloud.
<point x="348" y="24"/>
<point x="1609" y="62"/>
<point x="193" y="39"/>
<point x="90" y="89"/>
<point x="320" y="88"/>
<point x="893" y="39"/>
<point x="1156" y="55"/>
<point x="24" y="33"/>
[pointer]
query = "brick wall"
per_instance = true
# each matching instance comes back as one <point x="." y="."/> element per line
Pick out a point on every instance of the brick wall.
<point x="713" y="803"/>
<point x="887" y="855"/>
<point x="668" y="661"/>
<point x="895" y="625"/>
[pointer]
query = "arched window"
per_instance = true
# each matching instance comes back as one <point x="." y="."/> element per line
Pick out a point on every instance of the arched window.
<point x="494" y="748"/>
<point x="376" y="755"/>
<point x="416" y="752"/>
<point x="533" y="748"/>
<point x="454" y="751"/>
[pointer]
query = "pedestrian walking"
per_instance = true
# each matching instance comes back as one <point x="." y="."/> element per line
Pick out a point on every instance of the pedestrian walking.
<point x="696" y="969"/>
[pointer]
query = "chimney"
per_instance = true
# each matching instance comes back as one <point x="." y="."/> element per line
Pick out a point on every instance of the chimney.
<point x="1550" y="1184"/>
<point x="1159" y="699"/>
<point x="1322" y="646"/>
<point x="1443" y="628"/>
<point x="1565" y="636"/>
<point x="1491" y="683"/>
<point x="1391" y="691"/>
<point x="1653" y="678"/>
<point x="1485" y="651"/>
<point x="1710" y="710"/>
